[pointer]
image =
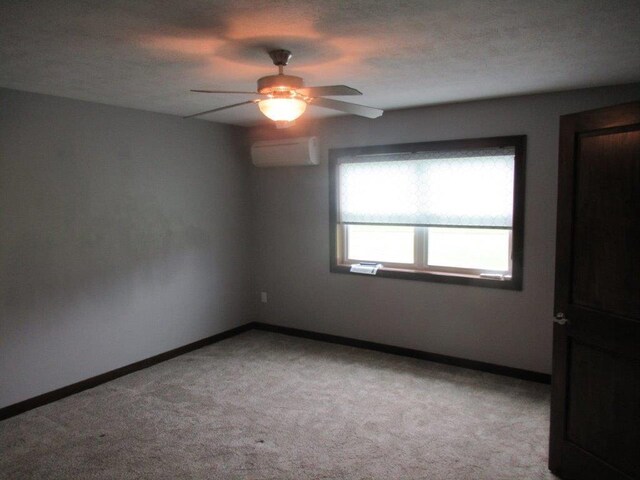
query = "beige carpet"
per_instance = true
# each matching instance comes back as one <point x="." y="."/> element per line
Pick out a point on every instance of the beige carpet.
<point x="268" y="406"/>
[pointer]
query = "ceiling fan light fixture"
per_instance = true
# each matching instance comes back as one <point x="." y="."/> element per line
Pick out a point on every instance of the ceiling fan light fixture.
<point x="282" y="109"/>
<point x="287" y="97"/>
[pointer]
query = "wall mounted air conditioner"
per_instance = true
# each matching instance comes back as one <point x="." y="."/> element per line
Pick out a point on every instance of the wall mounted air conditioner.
<point x="287" y="152"/>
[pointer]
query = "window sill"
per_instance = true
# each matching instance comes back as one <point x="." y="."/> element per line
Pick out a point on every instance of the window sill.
<point x="444" y="277"/>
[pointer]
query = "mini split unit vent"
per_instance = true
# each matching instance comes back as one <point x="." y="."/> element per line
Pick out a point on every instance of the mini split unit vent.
<point x="287" y="152"/>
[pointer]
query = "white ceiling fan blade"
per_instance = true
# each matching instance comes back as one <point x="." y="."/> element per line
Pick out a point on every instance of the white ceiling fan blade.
<point x="353" y="108"/>
<point x="225" y="91"/>
<point x="221" y="108"/>
<point x="328" y="90"/>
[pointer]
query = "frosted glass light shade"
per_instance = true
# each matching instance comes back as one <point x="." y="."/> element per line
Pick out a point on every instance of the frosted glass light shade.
<point x="282" y="109"/>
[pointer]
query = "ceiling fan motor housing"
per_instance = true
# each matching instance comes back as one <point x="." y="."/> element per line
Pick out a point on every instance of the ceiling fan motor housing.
<point x="274" y="84"/>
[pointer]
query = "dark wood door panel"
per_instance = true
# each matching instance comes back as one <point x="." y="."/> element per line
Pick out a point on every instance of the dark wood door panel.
<point x="606" y="260"/>
<point x="619" y="334"/>
<point x="604" y="406"/>
<point x="582" y="465"/>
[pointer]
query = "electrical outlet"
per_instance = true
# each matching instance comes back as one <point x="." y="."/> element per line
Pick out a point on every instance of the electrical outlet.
<point x="263" y="297"/>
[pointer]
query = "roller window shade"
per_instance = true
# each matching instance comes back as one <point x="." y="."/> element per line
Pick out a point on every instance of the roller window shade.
<point x="466" y="188"/>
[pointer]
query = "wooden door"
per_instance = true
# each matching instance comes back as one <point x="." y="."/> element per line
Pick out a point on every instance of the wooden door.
<point x="595" y="406"/>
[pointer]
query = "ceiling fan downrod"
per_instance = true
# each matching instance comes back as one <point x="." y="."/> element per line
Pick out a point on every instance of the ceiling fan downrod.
<point x="280" y="59"/>
<point x="281" y="84"/>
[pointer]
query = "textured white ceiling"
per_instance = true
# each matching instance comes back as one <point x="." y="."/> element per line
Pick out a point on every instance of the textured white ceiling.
<point x="148" y="54"/>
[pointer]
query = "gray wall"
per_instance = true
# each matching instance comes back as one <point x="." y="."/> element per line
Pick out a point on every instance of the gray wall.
<point x="502" y="327"/>
<point x="123" y="234"/>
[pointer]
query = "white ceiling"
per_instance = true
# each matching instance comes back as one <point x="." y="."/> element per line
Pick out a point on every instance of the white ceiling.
<point x="148" y="54"/>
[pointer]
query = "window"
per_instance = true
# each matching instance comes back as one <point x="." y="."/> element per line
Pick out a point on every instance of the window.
<point x="440" y="211"/>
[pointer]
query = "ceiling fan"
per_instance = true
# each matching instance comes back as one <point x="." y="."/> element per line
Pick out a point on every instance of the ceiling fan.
<point x="283" y="98"/>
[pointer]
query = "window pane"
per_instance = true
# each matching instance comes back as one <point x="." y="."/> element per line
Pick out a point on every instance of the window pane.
<point x="480" y="249"/>
<point x="465" y="188"/>
<point x="380" y="243"/>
